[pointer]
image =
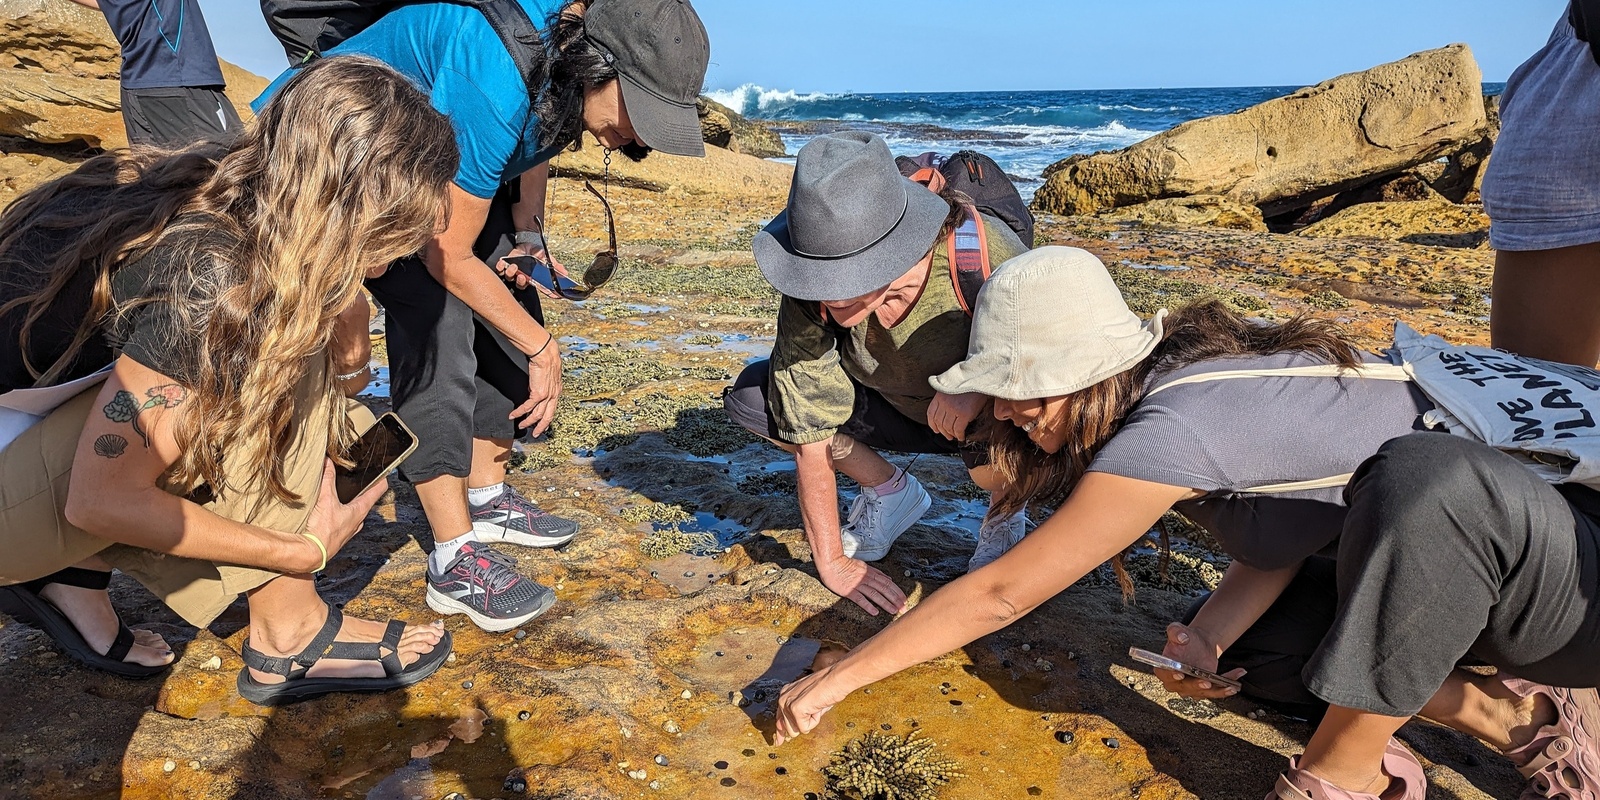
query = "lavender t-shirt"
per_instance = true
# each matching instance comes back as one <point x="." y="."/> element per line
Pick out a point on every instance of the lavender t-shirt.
<point x="1226" y="437"/>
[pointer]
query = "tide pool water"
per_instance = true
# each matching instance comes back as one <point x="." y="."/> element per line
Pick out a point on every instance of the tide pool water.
<point x="1024" y="131"/>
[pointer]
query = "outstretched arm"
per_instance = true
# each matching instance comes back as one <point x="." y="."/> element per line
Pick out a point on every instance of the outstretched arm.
<point x="127" y="444"/>
<point x="1104" y="514"/>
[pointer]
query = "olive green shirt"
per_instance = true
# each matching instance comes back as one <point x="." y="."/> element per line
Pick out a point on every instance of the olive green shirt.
<point x="816" y="365"/>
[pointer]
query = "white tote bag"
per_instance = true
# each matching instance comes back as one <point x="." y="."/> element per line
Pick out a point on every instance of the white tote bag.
<point x="1546" y="413"/>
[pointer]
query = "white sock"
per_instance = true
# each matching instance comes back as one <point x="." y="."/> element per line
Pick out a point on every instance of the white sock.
<point x="482" y="497"/>
<point x="446" y="552"/>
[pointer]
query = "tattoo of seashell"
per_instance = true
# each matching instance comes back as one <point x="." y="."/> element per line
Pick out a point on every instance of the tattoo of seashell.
<point x="110" y="446"/>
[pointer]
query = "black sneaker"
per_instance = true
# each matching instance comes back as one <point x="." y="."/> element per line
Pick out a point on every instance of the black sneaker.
<point x="484" y="585"/>
<point x="514" y="519"/>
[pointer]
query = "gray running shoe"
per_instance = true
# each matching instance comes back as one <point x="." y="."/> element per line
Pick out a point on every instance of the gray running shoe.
<point x="483" y="584"/>
<point x="514" y="519"/>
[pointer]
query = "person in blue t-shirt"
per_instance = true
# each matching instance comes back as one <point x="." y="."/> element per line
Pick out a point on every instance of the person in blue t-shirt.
<point x="472" y="364"/>
<point x="171" y="82"/>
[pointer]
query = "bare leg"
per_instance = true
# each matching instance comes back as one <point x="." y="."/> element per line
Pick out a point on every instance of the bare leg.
<point x="489" y="459"/>
<point x="444" y="501"/>
<point x="91" y="613"/>
<point x="1347" y="749"/>
<point x="861" y="463"/>
<point x="286" y="613"/>
<point x="1483" y="707"/>
<point x="986" y="478"/>
<point x="1547" y="304"/>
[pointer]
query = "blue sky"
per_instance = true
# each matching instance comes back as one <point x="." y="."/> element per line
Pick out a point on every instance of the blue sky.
<point x="944" y="45"/>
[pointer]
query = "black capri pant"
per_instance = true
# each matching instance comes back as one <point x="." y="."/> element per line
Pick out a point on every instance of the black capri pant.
<point x="453" y="376"/>
<point x="1452" y="553"/>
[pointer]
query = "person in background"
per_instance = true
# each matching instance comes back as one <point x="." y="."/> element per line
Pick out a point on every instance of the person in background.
<point x="473" y="366"/>
<point x="202" y="464"/>
<point x="870" y="312"/>
<point x="171" y="81"/>
<point x="1272" y="437"/>
<point x="1542" y="193"/>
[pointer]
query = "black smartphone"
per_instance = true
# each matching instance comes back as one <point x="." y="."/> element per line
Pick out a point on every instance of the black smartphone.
<point x="1158" y="660"/>
<point x="541" y="273"/>
<point x="375" y="454"/>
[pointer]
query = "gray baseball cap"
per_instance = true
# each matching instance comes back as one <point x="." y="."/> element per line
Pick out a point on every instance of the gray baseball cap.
<point x="853" y="223"/>
<point x="660" y="50"/>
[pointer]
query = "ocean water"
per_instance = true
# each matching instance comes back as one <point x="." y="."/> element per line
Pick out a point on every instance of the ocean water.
<point x="1024" y="131"/>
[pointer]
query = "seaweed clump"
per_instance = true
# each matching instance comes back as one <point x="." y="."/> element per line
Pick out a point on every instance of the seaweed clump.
<point x="667" y="542"/>
<point x="881" y="766"/>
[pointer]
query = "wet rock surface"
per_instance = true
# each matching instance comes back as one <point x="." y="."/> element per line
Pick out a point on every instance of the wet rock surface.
<point x="634" y="685"/>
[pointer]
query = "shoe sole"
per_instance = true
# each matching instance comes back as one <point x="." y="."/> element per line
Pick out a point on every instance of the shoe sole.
<point x="878" y="555"/>
<point x="444" y="604"/>
<point x="302" y="689"/>
<point x="497" y="534"/>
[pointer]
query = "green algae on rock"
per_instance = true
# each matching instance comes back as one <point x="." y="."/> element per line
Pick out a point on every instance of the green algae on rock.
<point x="881" y="766"/>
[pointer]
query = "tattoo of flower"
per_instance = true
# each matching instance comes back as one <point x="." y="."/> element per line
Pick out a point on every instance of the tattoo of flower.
<point x="124" y="407"/>
<point x="170" y="396"/>
<point x="110" y="446"/>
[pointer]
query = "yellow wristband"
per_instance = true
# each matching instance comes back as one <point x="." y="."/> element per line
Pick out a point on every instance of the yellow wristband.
<point x="320" y="546"/>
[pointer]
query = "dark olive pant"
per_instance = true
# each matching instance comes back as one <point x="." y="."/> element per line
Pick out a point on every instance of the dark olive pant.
<point x="875" y="422"/>
<point x="1452" y="553"/>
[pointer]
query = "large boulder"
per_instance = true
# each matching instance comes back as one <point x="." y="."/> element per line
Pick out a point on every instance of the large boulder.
<point x="1287" y="153"/>
<point x="58" y="75"/>
<point x="730" y="130"/>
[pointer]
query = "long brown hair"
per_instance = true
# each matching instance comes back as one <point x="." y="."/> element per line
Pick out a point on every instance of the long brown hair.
<point x="347" y="167"/>
<point x="1197" y="332"/>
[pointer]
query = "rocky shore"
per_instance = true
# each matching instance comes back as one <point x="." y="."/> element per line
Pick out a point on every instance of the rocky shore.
<point x="655" y="673"/>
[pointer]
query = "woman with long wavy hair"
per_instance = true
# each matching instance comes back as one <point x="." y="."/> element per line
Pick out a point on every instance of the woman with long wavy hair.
<point x="1278" y="441"/>
<point x="222" y="284"/>
<point x="473" y="365"/>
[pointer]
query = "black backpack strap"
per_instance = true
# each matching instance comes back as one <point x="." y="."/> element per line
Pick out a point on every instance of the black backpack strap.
<point x="1585" y="18"/>
<point x="519" y="35"/>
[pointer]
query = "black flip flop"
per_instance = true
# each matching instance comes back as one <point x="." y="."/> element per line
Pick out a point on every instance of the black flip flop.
<point x="297" y="687"/>
<point x="24" y="603"/>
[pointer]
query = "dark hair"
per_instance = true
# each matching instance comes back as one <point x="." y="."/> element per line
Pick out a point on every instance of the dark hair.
<point x="574" y="66"/>
<point x="1200" y="331"/>
<point x="1197" y="332"/>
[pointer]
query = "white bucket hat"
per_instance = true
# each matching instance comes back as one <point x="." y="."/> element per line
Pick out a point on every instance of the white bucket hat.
<point x="1049" y="323"/>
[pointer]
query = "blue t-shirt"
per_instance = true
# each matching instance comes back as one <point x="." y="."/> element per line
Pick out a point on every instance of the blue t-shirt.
<point x="450" y="51"/>
<point x="165" y="43"/>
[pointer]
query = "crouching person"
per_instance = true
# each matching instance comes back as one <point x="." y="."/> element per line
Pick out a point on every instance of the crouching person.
<point x="211" y="281"/>
<point x="870" y="312"/>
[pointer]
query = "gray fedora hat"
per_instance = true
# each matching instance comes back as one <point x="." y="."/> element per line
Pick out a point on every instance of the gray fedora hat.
<point x="853" y="224"/>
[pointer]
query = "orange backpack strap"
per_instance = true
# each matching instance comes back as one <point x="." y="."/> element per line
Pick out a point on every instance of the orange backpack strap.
<point x="968" y="251"/>
<point x="931" y="178"/>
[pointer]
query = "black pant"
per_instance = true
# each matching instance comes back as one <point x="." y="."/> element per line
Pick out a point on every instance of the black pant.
<point x="454" y="377"/>
<point x="1452" y="553"/>
<point x="874" y="422"/>
<point x="179" y="116"/>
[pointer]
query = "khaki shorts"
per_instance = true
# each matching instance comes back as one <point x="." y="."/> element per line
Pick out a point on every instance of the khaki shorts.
<point x="36" y="471"/>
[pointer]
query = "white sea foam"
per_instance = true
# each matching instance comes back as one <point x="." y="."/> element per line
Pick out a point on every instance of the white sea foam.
<point x="750" y="98"/>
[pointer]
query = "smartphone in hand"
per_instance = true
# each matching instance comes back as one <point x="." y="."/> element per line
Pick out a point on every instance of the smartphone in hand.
<point x="1158" y="660"/>
<point x="377" y="453"/>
